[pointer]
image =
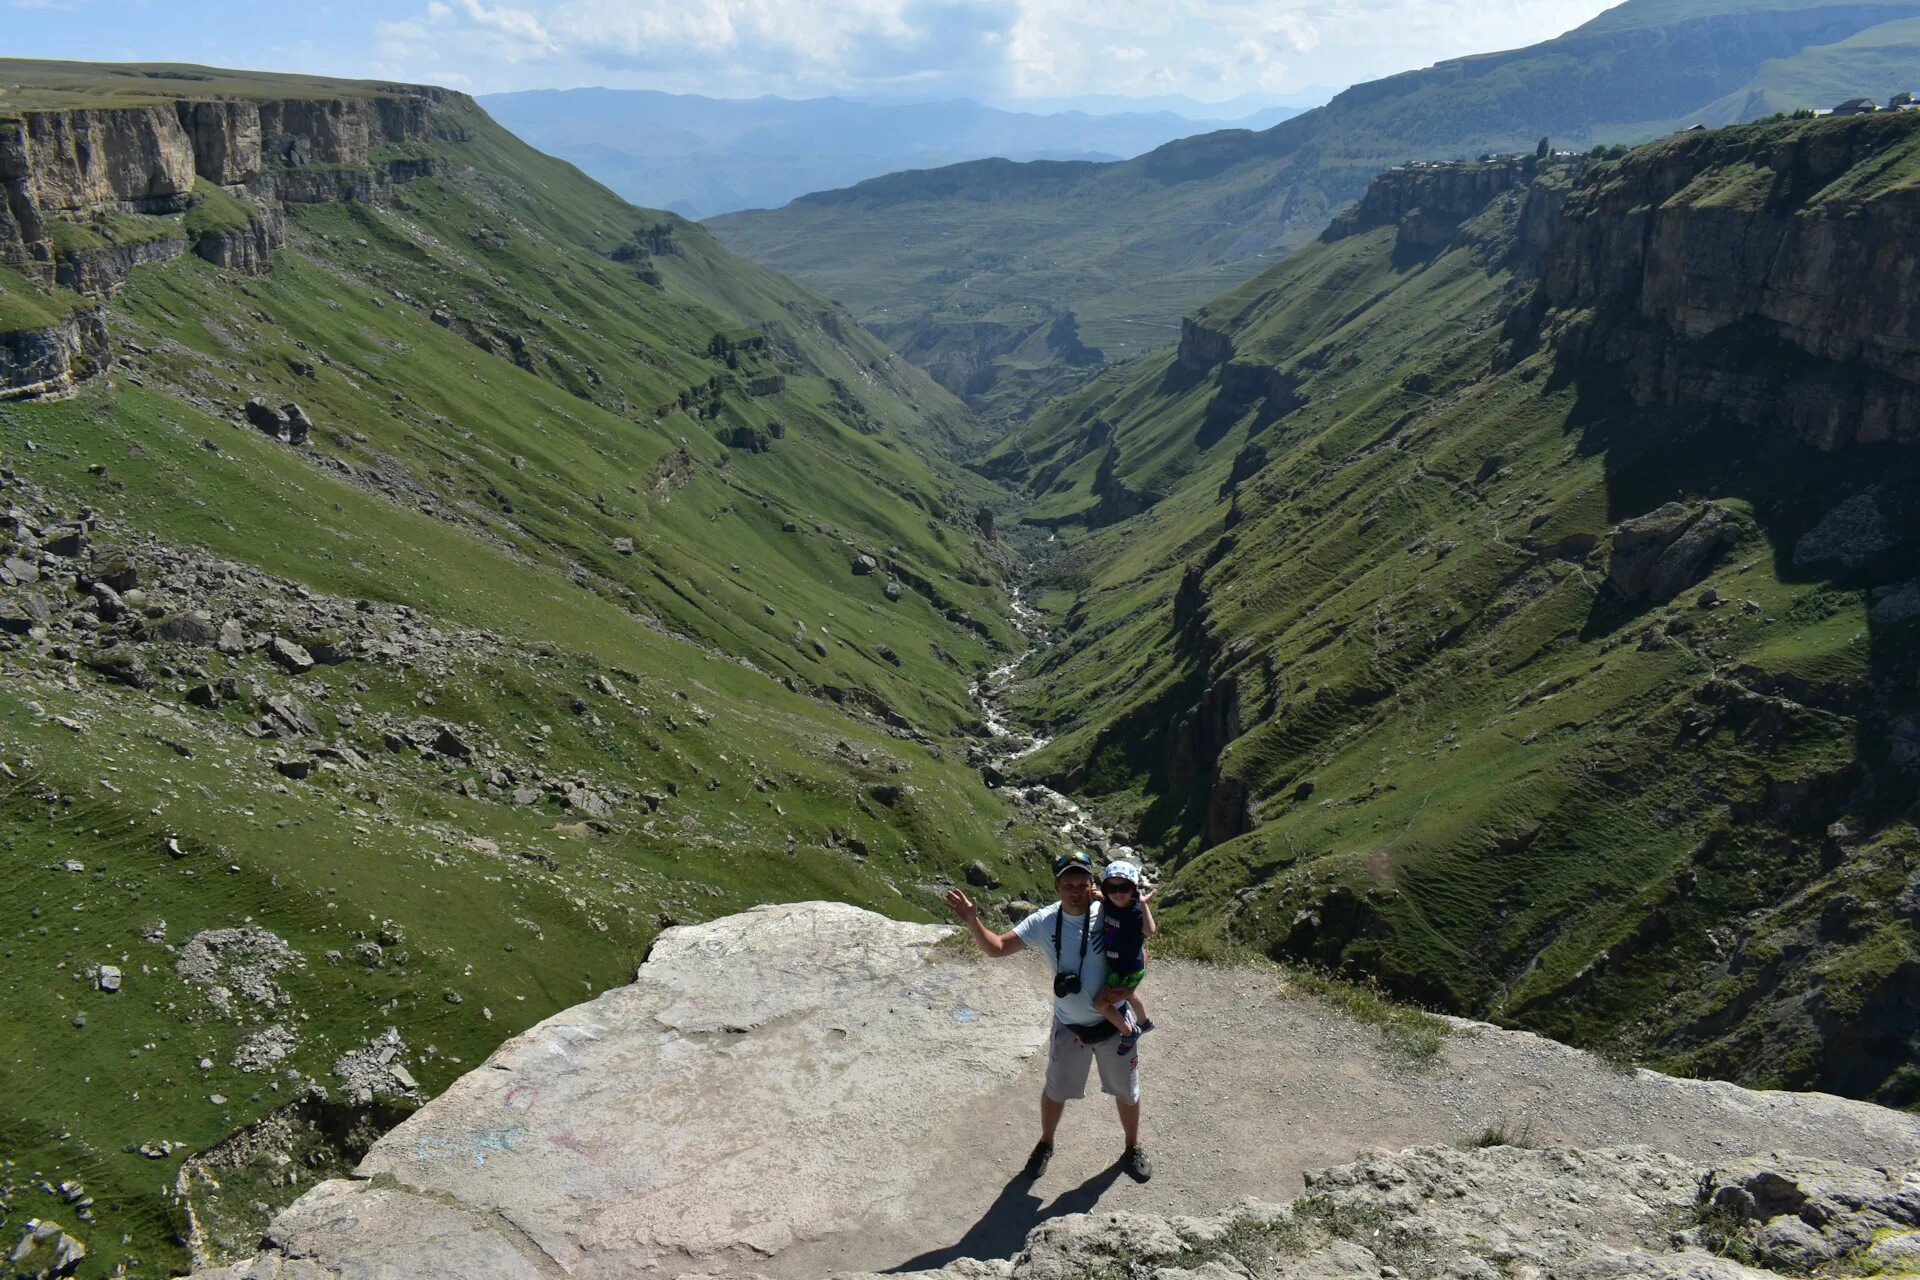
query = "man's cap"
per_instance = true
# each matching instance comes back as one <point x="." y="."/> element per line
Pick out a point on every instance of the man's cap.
<point x="1072" y="860"/>
<point x="1120" y="870"/>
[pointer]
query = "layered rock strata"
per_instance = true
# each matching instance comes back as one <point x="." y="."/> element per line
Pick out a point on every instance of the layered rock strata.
<point x="68" y="167"/>
<point x="51" y="362"/>
<point x="1738" y="271"/>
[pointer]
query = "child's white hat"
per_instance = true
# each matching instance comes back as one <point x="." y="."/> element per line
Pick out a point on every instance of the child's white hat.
<point x="1121" y="870"/>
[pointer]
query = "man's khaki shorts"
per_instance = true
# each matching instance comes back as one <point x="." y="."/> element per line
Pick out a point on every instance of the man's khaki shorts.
<point x="1068" y="1057"/>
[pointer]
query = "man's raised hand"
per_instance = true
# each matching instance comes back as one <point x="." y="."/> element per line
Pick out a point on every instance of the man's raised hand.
<point x="961" y="905"/>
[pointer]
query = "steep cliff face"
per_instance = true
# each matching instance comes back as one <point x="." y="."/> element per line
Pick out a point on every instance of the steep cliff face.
<point x="1428" y="202"/>
<point x="1767" y="274"/>
<point x="91" y="193"/>
<point x="75" y="163"/>
<point x="49" y="362"/>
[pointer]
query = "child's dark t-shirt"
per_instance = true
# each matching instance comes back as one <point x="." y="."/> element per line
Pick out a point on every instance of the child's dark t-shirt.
<point x="1124" y="937"/>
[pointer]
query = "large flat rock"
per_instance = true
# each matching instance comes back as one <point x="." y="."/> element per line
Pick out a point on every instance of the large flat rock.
<point x="805" y="1089"/>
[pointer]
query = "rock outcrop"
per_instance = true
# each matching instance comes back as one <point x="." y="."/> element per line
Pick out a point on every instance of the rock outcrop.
<point x="50" y="362"/>
<point x="1202" y="346"/>
<point x="769" y="1076"/>
<point x="810" y="1089"/>
<point x="145" y="159"/>
<point x="1740" y="271"/>
<point x="62" y="169"/>
<point x="1428" y="202"/>
<point x="1627" y="1214"/>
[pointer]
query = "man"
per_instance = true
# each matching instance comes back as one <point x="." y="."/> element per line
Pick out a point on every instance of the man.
<point x="1080" y="1035"/>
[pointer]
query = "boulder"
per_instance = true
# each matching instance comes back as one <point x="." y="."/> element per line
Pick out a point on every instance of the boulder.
<point x="677" y="1126"/>
<point x="289" y="715"/>
<point x="865" y="564"/>
<point x="19" y="616"/>
<point x="45" y="1250"/>
<point x="287" y="654"/>
<point x="269" y="420"/>
<point x="196" y="627"/>
<point x="893" y="591"/>
<point x="121" y="664"/>
<point x="980" y="875"/>
<point x="449" y="743"/>
<point x="233" y="637"/>
<point x="299" y="425"/>
<point x="1658" y="555"/>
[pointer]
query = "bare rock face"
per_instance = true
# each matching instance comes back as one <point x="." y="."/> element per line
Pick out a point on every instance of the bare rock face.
<point x="770" y="1075"/>
<point x="801" y="1089"/>
<point x="50" y="363"/>
<point x="1428" y="202"/>
<point x="226" y="140"/>
<point x="79" y="160"/>
<point x="1627" y="1214"/>
<point x="1662" y="553"/>
<point x="1201" y="347"/>
<point x="1731" y="271"/>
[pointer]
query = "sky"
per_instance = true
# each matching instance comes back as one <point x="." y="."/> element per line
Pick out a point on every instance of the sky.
<point x="1002" y="51"/>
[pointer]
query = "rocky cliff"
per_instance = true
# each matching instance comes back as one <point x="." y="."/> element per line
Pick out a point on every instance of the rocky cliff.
<point x="1625" y="1214"/>
<point x="92" y="192"/>
<point x="811" y="1089"/>
<point x="1765" y="273"/>
<point x="1428" y="202"/>
<point x="50" y="360"/>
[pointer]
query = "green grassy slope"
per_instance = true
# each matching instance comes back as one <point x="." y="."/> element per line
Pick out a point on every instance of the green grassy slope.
<point x="1877" y="63"/>
<point x="496" y="392"/>
<point x="1358" y="670"/>
<point x="945" y="262"/>
<point x="36" y="84"/>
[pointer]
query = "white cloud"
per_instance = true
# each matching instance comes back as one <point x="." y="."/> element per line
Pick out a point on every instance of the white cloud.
<point x="1210" y="49"/>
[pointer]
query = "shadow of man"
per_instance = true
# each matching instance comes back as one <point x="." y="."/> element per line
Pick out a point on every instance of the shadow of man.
<point x="1002" y="1230"/>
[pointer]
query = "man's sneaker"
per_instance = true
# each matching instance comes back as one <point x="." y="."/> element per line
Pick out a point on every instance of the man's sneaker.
<point x="1037" y="1162"/>
<point x="1136" y="1164"/>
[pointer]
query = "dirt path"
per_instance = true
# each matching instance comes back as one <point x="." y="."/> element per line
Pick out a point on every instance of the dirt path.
<point x="1246" y="1087"/>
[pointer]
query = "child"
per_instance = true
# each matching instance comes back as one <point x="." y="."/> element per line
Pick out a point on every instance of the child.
<point x="1126" y="923"/>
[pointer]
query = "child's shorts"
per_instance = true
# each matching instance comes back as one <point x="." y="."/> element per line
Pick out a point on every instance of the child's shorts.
<point x="1127" y="981"/>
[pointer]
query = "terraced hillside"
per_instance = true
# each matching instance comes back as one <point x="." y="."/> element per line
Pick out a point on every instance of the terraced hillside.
<point x="1512" y="595"/>
<point x="1013" y="282"/>
<point x="424" y="576"/>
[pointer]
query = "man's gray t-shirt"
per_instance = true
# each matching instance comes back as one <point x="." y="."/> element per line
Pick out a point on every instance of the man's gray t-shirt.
<point x="1037" y="932"/>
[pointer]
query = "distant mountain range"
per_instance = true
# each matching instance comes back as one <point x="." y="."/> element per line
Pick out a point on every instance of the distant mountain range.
<point x="928" y="259"/>
<point x="703" y="156"/>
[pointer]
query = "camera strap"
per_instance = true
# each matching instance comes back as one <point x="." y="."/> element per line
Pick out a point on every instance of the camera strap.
<point x="1086" y="927"/>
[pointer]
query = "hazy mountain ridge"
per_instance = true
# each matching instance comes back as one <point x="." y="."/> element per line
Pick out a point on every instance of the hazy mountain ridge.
<point x="1129" y="247"/>
<point x="705" y="156"/>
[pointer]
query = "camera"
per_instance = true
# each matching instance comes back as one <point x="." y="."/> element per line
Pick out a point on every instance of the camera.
<point x="1066" y="984"/>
